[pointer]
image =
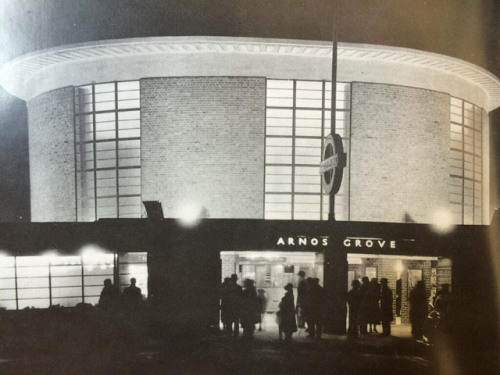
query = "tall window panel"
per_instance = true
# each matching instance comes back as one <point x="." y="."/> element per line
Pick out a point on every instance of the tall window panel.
<point x="49" y="280"/>
<point x="466" y="162"/>
<point x="298" y="118"/>
<point x="107" y="149"/>
<point x="134" y="265"/>
<point x="8" y="283"/>
<point x="32" y="278"/>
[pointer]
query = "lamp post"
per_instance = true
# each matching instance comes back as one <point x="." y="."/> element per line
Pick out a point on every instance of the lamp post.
<point x="333" y="104"/>
<point x="333" y="156"/>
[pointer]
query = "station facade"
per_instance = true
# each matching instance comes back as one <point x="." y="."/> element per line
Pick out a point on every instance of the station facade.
<point x="180" y="269"/>
<point x="234" y="127"/>
<point x="231" y="130"/>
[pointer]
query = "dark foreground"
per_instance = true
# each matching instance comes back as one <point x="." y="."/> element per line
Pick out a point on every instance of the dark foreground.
<point x="57" y="343"/>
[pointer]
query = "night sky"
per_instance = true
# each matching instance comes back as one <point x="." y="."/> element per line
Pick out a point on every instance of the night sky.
<point x="469" y="30"/>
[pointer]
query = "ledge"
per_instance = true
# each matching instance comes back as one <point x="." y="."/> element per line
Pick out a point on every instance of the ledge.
<point x="126" y="59"/>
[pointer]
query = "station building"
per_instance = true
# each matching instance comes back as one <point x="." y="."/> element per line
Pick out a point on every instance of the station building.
<point x="230" y="130"/>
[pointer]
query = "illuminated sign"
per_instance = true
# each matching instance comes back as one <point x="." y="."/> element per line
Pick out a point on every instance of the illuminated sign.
<point x="332" y="165"/>
<point x="303" y="241"/>
<point x="369" y="243"/>
<point x="365" y="243"/>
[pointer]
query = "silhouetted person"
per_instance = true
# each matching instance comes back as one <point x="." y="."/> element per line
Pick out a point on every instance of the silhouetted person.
<point x="444" y="295"/>
<point x="363" y="307"/>
<point x="386" y="314"/>
<point x="418" y="309"/>
<point x="372" y="304"/>
<point x="233" y="306"/>
<point x="249" y="308"/>
<point x="286" y="315"/>
<point x="317" y="299"/>
<point x="261" y="305"/>
<point x="354" y="301"/>
<point x="110" y="296"/>
<point x="301" y="298"/>
<point x="132" y="295"/>
<point x="398" y="297"/>
<point x="224" y="291"/>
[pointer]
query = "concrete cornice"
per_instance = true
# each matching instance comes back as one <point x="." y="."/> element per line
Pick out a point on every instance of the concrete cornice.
<point x="124" y="59"/>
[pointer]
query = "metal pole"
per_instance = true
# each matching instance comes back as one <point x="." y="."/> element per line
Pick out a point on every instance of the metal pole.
<point x="331" y="214"/>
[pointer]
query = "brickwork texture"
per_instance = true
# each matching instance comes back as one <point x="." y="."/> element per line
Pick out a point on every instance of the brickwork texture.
<point x="52" y="156"/>
<point x="386" y="267"/>
<point x="399" y="155"/>
<point x="203" y="144"/>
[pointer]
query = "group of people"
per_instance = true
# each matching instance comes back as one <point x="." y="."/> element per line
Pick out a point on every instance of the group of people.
<point x="309" y="310"/>
<point x="245" y="306"/>
<point x="111" y="298"/>
<point x="310" y="305"/>
<point x="241" y="305"/>
<point x="419" y="306"/>
<point x="370" y="304"/>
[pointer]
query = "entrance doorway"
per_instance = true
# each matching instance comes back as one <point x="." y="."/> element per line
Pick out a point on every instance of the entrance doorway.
<point x="402" y="273"/>
<point x="271" y="271"/>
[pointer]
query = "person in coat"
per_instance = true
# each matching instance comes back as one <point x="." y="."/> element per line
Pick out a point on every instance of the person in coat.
<point x="354" y="301"/>
<point x="363" y="307"/>
<point x="386" y="315"/>
<point x="249" y="308"/>
<point x="132" y="296"/>
<point x="301" y="299"/>
<point x="286" y="315"/>
<point x="110" y="296"/>
<point x="317" y="300"/>
<point x="372" y="304"/>
<point x="418" y="309"/>
<point x="224" y="291"/>
<point x="233" y="306"/>
<point x="262" y="306"/>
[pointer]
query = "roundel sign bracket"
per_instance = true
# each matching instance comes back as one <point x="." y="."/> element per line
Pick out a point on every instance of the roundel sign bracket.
<point x="333" y="162"/>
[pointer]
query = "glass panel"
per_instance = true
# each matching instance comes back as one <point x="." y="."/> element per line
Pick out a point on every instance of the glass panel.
<point x="308" y="126"/>
<point x="104" y="87"/>
<point x="70" y="281"/>
<point x="40" y="303"/>
<point x="8" y="304"/>
<point x="130" y="190"/>
<point x="67" y="301"/>
<point x="463" y="164"/>
<point x="128" y="85"/>
<point x="270" y="215"/>
<point x="107" y="119"/>
<point x="67" y="292"/>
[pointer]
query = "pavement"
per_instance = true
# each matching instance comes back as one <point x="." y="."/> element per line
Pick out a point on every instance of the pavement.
<point x="332" y="354"/>
<point x="217" y="353"/>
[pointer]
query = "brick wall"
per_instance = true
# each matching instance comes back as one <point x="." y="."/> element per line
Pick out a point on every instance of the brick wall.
<point x="425" y="266"/>
<point x="443" y="272"/>
<point x="51" y="148"/>
<point x="228" y="262"/>
<point x="203" y="144"/>
<point x="399" y="153"/>
<point x="386" y="267"/>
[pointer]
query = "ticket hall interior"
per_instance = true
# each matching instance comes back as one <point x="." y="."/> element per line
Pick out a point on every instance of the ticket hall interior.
<point x="272" y="270"/>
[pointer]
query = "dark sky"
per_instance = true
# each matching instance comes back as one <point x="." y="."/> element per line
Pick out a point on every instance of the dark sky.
<point x="469" y="30"/>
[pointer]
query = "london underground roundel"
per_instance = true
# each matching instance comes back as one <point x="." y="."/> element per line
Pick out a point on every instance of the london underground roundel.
<point x="333" y="162"/>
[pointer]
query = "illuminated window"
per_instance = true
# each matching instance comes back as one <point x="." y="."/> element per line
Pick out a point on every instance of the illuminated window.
<point x="66" y="280"/>
<point x="96" y="269"/>
<point x="466" y="162"/>
<point x="134" y="265"/>
<point x="8" y="290"/>
<point x="32" y="275"/>
<point x="298" y="118"/>
<point x="108" y="145"/>
<point x="43" y="281"/>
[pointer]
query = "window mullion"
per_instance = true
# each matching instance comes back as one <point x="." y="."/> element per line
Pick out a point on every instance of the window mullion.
<point x="294" y="115"/>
